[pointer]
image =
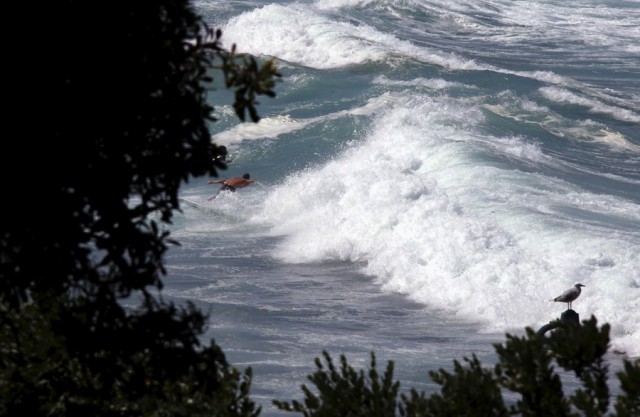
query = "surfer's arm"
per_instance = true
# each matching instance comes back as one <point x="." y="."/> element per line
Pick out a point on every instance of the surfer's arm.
<point x="216" y="182"/>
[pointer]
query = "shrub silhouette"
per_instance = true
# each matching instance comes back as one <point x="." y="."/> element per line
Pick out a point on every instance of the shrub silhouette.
<point x="526" y="365"/>
<point x="119" y="119"/>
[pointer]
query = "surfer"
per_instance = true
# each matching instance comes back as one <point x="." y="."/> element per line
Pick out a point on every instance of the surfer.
<point x="231" y="184"/>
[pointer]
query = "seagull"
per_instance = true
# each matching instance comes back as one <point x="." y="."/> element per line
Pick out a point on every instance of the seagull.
<point x="569" y="295"/>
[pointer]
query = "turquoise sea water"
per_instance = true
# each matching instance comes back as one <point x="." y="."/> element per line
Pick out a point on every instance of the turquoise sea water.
<point x="430" y="174"/>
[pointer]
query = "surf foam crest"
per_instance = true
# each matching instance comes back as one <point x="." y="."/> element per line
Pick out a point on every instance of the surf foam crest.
<point x="417" y="207"/>
<point x="312" y="39"/>
<point x="266" y="128"/>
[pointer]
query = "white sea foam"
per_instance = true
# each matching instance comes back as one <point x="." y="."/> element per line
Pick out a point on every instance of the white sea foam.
<point x="306" y="38"/>
<point x="565" y="96"/>
<point x="272" y="127"/>
<point x="312" y="39"/>
<point x="266" y="128"/>
<point x="584" y="130"/>
<point x="417" y="208"/>
<point x="601" y="25"/>
<point x="435" y="84"/>
<point x="317" y="41"/>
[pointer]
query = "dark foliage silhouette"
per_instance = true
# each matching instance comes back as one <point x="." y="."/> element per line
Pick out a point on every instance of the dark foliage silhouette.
<point x="122" y="120"/>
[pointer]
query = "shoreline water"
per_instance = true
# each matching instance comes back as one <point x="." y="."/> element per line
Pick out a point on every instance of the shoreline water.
<point x="277" y="318"/>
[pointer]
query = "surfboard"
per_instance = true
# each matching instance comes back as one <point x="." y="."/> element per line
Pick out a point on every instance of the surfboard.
<point x="193" y="203"/>
<point x="207" y="209"/>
